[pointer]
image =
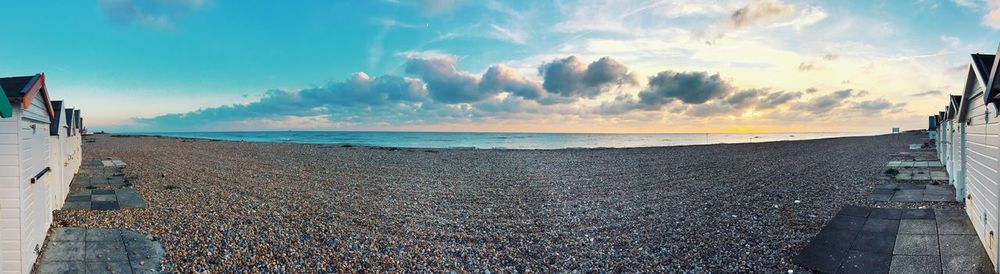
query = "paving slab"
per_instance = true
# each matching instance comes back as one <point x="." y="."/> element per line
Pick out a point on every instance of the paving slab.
<point x="904" y="264"/>
<point x="129" y="198"/>
<point x="881" y="226"/>
<point x="62" y="267"/>
<point x="924" y="213"/>
<point x="874" y="242"/>
<point x="880" y="197"/>
<point x="106" y="251"/>
<point x="821" y="258"/>
<point x="846" y="222"/>
<point x="916" y="244"/>
<point x="836" y="238"/>
<point x="886" y="213"/>
<point x="865" y="262"/>
<point x="964" y="254"/>
<point x="918" y="226"/>
<point x="100" y="250"/>
<point x="855" y="211"/>
<point x="116" y="267"/>
<point x="950" y="213"/>
<point x="955" y="226"/>
<point x="70" y="234"/>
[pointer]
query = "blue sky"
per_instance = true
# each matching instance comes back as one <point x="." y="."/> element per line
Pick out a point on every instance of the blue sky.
<point x="453" y="65"/>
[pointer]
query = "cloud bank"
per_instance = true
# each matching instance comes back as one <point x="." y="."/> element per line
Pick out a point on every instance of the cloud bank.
<point x="433" y="90"/>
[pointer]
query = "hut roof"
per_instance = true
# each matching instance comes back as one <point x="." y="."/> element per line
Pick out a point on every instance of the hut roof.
<point x="54" y="125"/>
<point x="23" y="89"/>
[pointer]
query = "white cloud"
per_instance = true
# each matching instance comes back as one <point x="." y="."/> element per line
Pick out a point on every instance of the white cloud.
<point x="506" y="34"/>
<point x="951" y="41"/>
<point x="806" y="17"/>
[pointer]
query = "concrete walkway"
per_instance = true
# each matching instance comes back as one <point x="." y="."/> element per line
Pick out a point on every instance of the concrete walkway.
<point x="100" y="250"/>
<point x="101" y="185"/>
<point x="888" y="240"/>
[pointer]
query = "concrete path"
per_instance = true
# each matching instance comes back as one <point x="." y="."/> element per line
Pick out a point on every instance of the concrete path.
<point x="888" y="240"/>
<point x="912" y="192"/>
<point x="100" y="250"/>
<point x="101" y="185"/>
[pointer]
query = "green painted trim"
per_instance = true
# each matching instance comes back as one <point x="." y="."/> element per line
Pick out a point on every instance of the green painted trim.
<point x="5" y="109"/>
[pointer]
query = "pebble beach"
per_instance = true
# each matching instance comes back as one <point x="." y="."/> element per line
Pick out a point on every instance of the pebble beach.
<point x="234" y="207"/>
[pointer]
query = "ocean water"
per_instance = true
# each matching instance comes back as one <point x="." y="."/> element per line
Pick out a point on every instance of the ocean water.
<point x="486" y="140"/>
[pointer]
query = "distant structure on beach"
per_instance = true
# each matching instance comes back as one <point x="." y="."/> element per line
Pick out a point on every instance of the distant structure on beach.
<point x="967" y="136"/>
<point x="37" y="162"/>
<point x="932" y="123"/>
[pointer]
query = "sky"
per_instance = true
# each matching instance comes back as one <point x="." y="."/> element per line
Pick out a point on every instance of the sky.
<point x="519" y="66"/>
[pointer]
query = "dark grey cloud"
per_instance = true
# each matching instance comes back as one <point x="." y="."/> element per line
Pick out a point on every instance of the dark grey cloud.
<point x="571" y="77"/>
<point x="445" y="82"/>
<point x="826" y="103"/>
<point x="775" y="99"/>
<point x="151" y="13"/>
<point x="688" y="87"/>
<point x="503" y="78"/>
<point x="760" y="98"/>
<point x="759" y="11"/>
<point x="744" y="98"/>
<point x="807" y="66"/>
<point x="811" y="90"/>
<point x="830" y="56"/>
<point x="875" y="105"/>
<point x="927" y="93"/>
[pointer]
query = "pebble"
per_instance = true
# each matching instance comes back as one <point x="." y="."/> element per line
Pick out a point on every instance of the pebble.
<point x="303" y="208"/>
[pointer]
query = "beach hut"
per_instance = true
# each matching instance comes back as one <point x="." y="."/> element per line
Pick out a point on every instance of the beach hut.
<point x="25" y="210"/>
<point x="943" y="137"/>
<point x="932" y="128"/>
<point x="979" y="150"/>
<point x="955" y="133"/>
<point x="70" y="147"/>
<point x="77" y="140"/>
<point x="58" y="186"/>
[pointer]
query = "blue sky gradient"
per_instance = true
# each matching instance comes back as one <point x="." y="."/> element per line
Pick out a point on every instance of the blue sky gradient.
<point x="452" y="65"/>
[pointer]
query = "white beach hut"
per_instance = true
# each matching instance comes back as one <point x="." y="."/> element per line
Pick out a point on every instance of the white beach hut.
<point x="58" y="157"/>
<point x="71" y="147"/>
<point x="955" y="138"/>
<point x="979" y="150"/>
<point x="25" y="212"/>
<point x="932" y="128"/>
<point x="943" y="140"/>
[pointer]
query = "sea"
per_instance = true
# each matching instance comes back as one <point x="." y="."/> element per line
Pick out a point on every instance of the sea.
<point x="500" y="140"/>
